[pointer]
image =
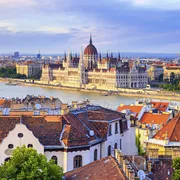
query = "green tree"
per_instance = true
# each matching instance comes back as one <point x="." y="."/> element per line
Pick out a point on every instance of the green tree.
<point x="176" y="166"/>
<point x="27" y="164"/>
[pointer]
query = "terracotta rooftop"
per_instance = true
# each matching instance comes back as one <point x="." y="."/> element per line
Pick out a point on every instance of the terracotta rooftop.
<point x="170" y="130"/>
<point x="154" y="118"/>
<point x="133" y="108"/>
<point x="103" y="169"/>
<point x="48" y="132"/>
<point x="7" y="124"/>
<point x="73" y="128"/>
<point x="161" y="106"/>
<point x="5" y="103"/>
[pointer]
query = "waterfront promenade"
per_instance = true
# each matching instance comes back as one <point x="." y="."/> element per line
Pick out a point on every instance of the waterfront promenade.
<point x="136" y="93"/>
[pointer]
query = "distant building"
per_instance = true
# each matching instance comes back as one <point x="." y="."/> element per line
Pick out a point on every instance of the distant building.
<point x="92" y="73"/>
<point x="155" y="71"/>
<point x="151" y="116"/>
<point x="171" y="72"/>
<point x="166" y="142"/>
<point x="39" y="55"/>
<point x="16" y="55"/>
<point x="28" y="68"/>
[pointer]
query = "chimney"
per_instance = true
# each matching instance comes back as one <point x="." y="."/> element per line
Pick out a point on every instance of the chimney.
<point x="149" y="166"/>
<point x="136" y="178"/>
<point x="124" y="166"/>
<point x="74" y="104"/>
<point x="129" y="168"/>
<point x="64" y="109"/>
<point x="131" y="174"/>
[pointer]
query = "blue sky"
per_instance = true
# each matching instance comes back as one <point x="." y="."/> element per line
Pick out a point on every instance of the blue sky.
<point x="116" y="25"/>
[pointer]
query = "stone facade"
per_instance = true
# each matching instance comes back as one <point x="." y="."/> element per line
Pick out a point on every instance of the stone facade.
<point x="92" y="73"/>
<point x="28" y="69"/>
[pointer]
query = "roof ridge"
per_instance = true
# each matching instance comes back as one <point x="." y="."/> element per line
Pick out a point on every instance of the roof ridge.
<point x="176" y="119"/>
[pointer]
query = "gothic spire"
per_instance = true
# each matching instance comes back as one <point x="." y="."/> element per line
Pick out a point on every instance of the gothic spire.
<point x="111" y="55"/>
<point x="90" y="39"/>
<point x="119" y="56"/>
<point x="65" y="56"/>
<point x="100" y="56"/>
<point x="107" y="55"/>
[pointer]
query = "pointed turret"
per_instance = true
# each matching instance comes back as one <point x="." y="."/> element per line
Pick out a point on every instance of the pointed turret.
<point x="100" y="59"/>
<point x="90" y="41"/>
<point x="76" y="55"/>
<point x="107" y="55"/>
<point x="119" y="56"/>
<point x="65" y="58"/>
<point x="69" y="57"/>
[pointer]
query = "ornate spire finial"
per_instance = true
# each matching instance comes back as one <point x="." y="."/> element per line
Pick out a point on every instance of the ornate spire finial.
<point x="107" y="55"/>
<point x="90" y="39"/>
<point x="119" y="56"/>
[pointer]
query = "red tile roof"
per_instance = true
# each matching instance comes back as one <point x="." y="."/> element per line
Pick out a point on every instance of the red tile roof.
<point x="103" y="169"/>
<point x="161" y="106"/>
<point x="73" y="128"/>
<point x="133" y="108"/>
<point x="154" y="118"/>
<point x="170" y="130"/>
<point x="7" y="124"/>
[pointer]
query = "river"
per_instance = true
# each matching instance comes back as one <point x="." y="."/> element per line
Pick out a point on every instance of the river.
<point x="66" y="96"/>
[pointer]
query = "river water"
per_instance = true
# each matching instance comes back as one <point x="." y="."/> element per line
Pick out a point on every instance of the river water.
<point x="66" y="96"/>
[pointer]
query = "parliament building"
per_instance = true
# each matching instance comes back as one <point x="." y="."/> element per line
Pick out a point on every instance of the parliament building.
<point x="91" y="71"/>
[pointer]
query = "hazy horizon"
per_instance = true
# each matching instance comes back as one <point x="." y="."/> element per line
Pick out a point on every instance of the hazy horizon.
<point x="117" y="25"/>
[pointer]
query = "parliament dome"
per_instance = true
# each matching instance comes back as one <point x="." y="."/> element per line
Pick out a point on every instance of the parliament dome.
<point x="90" y="49"/>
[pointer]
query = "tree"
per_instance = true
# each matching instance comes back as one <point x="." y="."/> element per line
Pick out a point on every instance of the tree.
<point x="27" y="164"/>
<point x="176" y="166"/>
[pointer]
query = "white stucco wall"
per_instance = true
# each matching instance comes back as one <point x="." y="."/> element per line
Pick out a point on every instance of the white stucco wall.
<point x="61" y="157"/>
<point x="12" y="138"/>
<point x="70" y="158"/>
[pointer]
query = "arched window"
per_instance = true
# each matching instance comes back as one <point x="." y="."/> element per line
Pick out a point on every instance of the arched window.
<point x="115" y="146"/>
<point x="55" y="159"/>
<point x="77" y="161"/>
<point x="95" y="154"/>
<point x="109" y="150"/>
<point x="30" y="146"/>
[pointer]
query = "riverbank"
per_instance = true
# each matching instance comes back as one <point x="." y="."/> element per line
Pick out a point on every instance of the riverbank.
<point x="138" y="93"/>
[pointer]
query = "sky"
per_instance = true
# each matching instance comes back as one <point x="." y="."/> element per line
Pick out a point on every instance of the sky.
<point x="54" y="26"/>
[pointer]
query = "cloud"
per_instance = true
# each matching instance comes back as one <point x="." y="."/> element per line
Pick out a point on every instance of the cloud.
<point x="17" y="3"/>
<point x="126" y="25"/>
<point x="54" y="30"/>
<point x="155" y="4"/>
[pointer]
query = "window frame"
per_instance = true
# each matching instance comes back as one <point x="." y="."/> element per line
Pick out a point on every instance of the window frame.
<point x="109" y="150"/>
<point x="95" y="155"/>
<point x="55" y="159"/>
<point x="110" y="130"/>
<point x="77" y="161"/>
<point x="116" y="127"/>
